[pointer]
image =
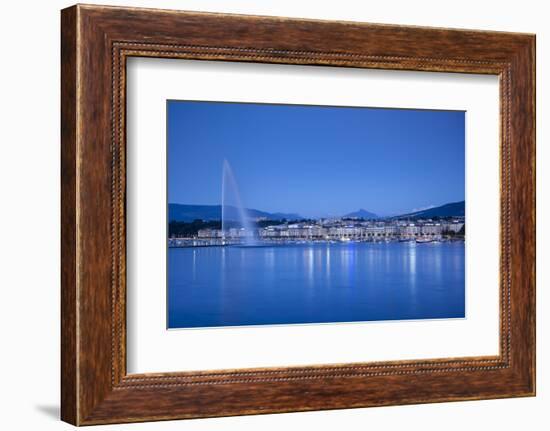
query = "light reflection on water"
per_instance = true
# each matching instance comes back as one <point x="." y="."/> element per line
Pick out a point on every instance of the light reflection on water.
<point x="314" y="283"/>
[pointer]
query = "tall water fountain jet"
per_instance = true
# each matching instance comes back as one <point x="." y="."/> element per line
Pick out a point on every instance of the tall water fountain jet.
<point x="228" y="181"/>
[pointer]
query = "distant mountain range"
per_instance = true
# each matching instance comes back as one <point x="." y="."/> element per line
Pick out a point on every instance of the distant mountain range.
<point x="361" y="214"/>
<point x="454" y="209"/>
<point x="188" y="213"/>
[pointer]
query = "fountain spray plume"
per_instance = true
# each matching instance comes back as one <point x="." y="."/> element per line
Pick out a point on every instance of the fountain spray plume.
<point x="228" y="181"/>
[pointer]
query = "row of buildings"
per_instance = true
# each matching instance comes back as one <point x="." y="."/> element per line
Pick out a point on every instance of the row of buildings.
<point x="343" y="230"/>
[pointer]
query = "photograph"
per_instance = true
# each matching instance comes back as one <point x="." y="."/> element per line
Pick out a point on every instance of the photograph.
<point x="281" y="214"/>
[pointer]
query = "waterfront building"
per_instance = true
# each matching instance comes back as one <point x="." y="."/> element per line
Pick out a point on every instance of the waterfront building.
<point x="391" y="230"/>
<point x="409" y="231"/>
<point x="373" y="232"/>
<point x="431" y="229"/>
<point x="209" y="233"/>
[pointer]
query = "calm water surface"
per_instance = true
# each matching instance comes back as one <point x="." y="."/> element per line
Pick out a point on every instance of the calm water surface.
<point x="314" y="283"/>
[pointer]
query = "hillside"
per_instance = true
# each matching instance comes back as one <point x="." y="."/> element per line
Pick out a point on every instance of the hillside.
<point x="188" y="213"/>
<point x="454" y="209"/>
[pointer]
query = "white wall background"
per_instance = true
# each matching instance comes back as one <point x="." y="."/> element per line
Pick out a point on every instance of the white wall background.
<point x="29" y="216"/>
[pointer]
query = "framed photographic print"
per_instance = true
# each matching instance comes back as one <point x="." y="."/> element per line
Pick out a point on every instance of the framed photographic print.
<point x="269" y="215"/>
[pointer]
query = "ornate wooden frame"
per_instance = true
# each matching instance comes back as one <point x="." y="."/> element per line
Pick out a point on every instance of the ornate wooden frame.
<point x="95" y="43"/>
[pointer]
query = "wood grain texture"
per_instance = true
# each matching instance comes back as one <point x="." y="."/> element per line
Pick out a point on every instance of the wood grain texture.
<point x="69" y="367"/>
<point x="96" y="41"/>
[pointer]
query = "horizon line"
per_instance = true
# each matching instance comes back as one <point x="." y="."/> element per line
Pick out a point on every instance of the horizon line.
<point x="411" y="211"/>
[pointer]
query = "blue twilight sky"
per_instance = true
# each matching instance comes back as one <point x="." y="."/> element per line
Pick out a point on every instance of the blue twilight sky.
<point x="316" y="161"/>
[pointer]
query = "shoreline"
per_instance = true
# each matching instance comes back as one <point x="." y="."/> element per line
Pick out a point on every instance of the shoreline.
<point x="195" y="243"/>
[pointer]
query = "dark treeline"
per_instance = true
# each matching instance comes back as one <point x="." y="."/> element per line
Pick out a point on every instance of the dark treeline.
<point x="187" y="229"/>
<point x="459" y="235"/>
<point x="461" y="232"/>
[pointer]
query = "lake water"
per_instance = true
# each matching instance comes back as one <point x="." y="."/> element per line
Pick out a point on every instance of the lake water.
<point x="314" y="283"/>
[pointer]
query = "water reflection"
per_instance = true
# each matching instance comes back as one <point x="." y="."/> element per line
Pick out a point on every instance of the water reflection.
<point x="413" y="291"/>
<point x="327" y="261"/>
<point x="194" y="265"/>
<point x="220" y="286"/>
<point x="308" y="258"/>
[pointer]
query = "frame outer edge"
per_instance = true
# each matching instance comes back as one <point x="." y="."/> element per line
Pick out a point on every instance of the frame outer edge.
<point x="523" y="216"/>
<point x="69" y="202"/>
<point x="532" y="100"/>
<point x="530" y="63"/>
<point x="533" y="53"/>
<point x="87" y="396"/>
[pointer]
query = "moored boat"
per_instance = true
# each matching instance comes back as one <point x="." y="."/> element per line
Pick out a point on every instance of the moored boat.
<point x="423" y="240"/>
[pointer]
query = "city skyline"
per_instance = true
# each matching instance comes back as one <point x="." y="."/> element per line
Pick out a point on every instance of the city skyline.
<point x="316" y="161"/>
